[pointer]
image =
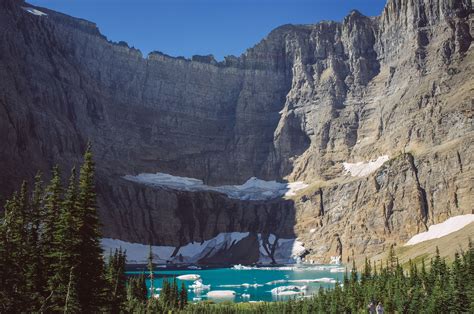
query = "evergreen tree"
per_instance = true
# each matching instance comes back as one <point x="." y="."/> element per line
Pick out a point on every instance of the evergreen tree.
<point x="35" y="279"/>
<point x="116" y="279"/>
<point x="65" y="253"/>
<point x="150" y="272"/>
<point x="183" y="296"/>
<point x="13" y="254"/>
<point x="91" y="282"/>
<point x="71" y="303"/>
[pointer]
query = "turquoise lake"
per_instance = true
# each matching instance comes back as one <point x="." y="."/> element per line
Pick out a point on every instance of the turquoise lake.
<point x="254" y="284"/>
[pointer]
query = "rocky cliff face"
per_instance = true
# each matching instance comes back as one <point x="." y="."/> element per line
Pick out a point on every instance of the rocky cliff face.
<point x="297" y="106"/>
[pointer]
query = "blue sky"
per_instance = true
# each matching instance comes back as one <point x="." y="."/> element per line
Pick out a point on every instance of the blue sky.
<point x="189" y="27"/>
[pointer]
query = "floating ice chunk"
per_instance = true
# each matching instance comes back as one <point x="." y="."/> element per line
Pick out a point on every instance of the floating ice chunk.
<point x="276" y="282"/>
<point x="34" y="11"/>
<point x="337" y="270"/>
<point x="326" y="280"/>
<point x="361" y="169"/>
<point x="221" y="294"/>
<point x="250" y="285"/>
<point x="199" y="286"/>
<point x="442" y="229"/>
<point x="289" y="290"/>
<point x="244" y="285"/>
<point x="229" y="286"/>
<point x="190" y="277"/>
<point x="241" y="267"/>
<point x="197" y="299"/>
<point x="194" y="267"/>
<point x="245" y="296"/>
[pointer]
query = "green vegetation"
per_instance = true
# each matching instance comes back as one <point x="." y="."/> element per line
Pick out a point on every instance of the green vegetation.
<point x="51" y="261"/>
<point x="50" y="255"/>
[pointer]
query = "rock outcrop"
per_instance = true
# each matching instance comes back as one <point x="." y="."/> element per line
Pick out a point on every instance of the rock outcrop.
<point x="299" y="104"/>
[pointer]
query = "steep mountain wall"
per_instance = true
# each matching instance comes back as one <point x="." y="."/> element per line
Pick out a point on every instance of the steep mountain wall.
<point x="297" y="106"/>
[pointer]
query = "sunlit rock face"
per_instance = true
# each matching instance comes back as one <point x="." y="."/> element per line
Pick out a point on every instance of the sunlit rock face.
<point x="318" y="103"/>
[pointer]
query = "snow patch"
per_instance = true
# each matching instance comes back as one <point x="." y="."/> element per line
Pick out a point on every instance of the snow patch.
<point x="285" y="251"/>
<point x="191" y="253"/>
<point x="34" y="11"/>
<point x="253" y="189"/>
<point x="138" y="253"/>
<point x="442" y="229"/>
<point x="336" y="260"/>
<point x="361" y="169"/>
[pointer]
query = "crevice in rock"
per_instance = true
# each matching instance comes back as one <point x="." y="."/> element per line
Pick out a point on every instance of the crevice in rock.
<point x="459" y="161"/>
<point x="456" y="200"/>
<point x="388" y="211"/>
<point x="338" y="246"/>
<point x="321" y="205"/>
<point x="422" y="192"/>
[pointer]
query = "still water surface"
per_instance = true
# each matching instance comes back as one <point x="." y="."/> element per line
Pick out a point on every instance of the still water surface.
<point x="254" y="284"/>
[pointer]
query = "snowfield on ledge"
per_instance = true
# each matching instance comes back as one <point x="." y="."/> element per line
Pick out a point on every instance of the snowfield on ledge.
<point x="450" y="225"/>
<point x="254" y="189"/>
<point x="361" y="169"/>
<point x="34" y="11"/>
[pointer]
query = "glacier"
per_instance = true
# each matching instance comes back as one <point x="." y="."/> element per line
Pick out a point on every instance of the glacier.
<point x="286" y="250"/>
<point x="253" y="189"/>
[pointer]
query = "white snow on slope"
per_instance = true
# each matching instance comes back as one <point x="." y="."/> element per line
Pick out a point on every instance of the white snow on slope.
<point x="34" y="11"/>
<point x="286" y="251"/>
<point x="254" y="189"/>
<point x="136" y="252"/>
<point x="442" y="229"/>
<point x="193" y="252"/>
<point x="361" y="169"/>
<point x="190" y="253"/>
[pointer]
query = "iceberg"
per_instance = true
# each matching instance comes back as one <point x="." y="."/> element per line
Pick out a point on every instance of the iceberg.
<point x="199" y="286"/>
<point x="190" y="277"/>
<point x="221" y="294"/>
<point x="289" y="290"/>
